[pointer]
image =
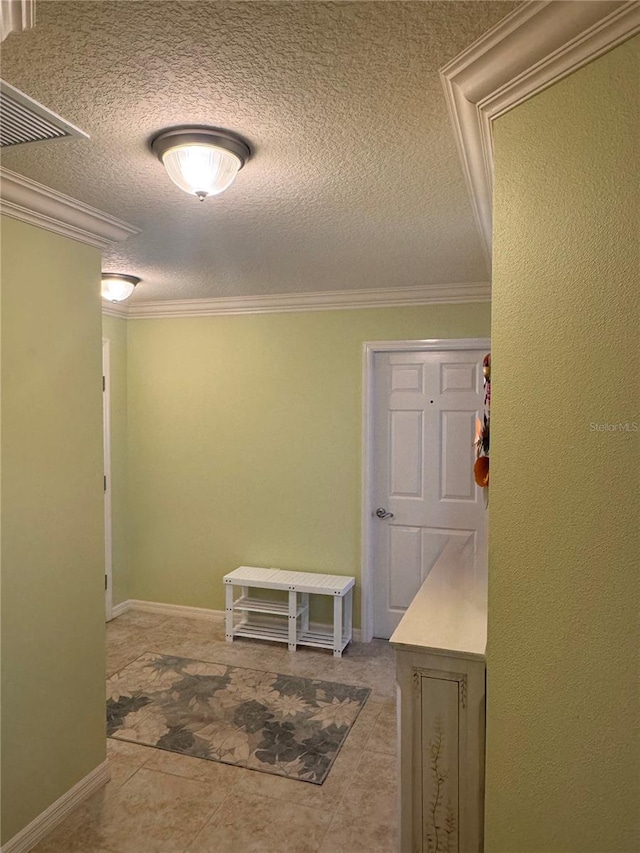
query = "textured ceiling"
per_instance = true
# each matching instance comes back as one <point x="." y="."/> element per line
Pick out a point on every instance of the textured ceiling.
<point x="354" y="183"/>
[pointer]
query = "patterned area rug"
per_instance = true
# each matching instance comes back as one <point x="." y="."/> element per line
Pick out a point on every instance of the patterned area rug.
<point x="280" y="724"/>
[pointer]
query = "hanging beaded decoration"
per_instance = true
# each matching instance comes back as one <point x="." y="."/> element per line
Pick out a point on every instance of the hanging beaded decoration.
<point x="481" y="467"/>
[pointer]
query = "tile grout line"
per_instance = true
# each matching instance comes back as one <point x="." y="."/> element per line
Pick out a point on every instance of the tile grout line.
<point x="336" y="812"/>
<point x="211" y="816"/>
<point x="203" y="827"/>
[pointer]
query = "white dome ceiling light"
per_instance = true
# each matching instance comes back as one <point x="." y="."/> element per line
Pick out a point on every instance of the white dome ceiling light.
<point x="202" y="161"/>
<point x="117" y="287"/>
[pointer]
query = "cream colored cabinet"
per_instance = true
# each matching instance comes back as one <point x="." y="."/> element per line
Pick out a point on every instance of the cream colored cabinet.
<point x="441" y="716"/>
<point x="440" y="666"/>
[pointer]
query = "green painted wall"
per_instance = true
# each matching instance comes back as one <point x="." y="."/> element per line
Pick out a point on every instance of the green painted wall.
<point x="52" y="520"/>
<point x="114" y="329"/>
<point x="244" y="441"/>
<point x="562" y="758"/>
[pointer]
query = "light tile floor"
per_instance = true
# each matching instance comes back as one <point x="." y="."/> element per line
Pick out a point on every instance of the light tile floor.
<point x="161" y="802"/>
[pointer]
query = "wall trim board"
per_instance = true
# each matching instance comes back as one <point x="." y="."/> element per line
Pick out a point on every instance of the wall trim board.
<point x="47" y="820"/>
<point x="369" y="349"/>
<point x="16" y="16"/>
<point x="115" y="309"/>
<point x="119" y="609"/>
<point x="190" y="613"/>
<point x="31" y="202"/>
<point x="169" y="609"/>
<point x="392" y="297"/>
<point x="538" y="44"/>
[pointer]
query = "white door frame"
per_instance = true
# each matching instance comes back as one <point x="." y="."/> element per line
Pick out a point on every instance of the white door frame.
<point x="106" y="438"/>
<point x="369" y="349"/>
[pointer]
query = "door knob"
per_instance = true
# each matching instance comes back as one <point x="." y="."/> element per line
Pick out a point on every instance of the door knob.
<point x="382" y="513"/>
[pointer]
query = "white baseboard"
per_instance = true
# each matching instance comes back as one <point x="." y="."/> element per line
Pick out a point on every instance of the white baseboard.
<point x="119" y="609"/>
<point x="188" y="612"/>
<point x="174" y="610"/>
<point x="42" y="825"/>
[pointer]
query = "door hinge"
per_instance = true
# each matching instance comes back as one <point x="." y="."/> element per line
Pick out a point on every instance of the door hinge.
<point x="105" y="482"/>
<point x="105" y="582"/>
<point x="104" y="384"/>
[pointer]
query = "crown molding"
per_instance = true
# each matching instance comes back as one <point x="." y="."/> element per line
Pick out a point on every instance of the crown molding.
<point x="26" y="200"/>
<point x="16" y="16"/>
<point x="478" y="291"/>
<point x="538" y="44"/>
<point x="115" y="309"/>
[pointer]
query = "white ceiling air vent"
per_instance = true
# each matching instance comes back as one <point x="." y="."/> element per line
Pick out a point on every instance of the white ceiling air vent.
<point x="24" y="120"/>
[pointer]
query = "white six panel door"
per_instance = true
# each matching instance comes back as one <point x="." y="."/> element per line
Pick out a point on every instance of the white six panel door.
<point x="425" y="409"/>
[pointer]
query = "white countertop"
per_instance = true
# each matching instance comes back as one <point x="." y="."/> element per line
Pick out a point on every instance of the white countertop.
<point x="449" y="613"/>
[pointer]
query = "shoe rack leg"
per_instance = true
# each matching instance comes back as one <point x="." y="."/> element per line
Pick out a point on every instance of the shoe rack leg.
<point x="348" y="615"/>
<point x="293" y="608"/>
<point x="337" y="626"/>
<point x="228" y="614"/>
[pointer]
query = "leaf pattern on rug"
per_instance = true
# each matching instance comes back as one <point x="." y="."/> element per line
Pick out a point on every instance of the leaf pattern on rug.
<point x="319" y="748"/>
<point x="282" y="724"/>
<point x="117" y="711"/>
<point x="336" y="712"/>
<point x="278" y="744"/>
<point x="196" y="690"/>
<point x="144" y="726"/>
<point x="178" y="739"/>
<point x="288" y="705"/>
<point x="251" y="716"/>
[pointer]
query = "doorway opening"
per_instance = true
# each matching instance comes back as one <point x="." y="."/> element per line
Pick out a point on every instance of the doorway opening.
<point x="106" y="439"/>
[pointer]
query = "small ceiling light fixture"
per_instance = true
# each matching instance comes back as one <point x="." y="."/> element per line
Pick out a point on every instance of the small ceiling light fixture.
<point x="117" y="287"/>
<point x="202" y="161"/>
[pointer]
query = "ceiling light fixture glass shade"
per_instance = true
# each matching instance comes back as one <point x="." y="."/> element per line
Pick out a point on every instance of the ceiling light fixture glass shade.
<point x="117" y="287"/>
<point x="200" y="160"/>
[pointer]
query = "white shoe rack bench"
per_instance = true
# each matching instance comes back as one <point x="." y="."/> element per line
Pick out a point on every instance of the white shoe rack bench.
<point x="294" y="628"/>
